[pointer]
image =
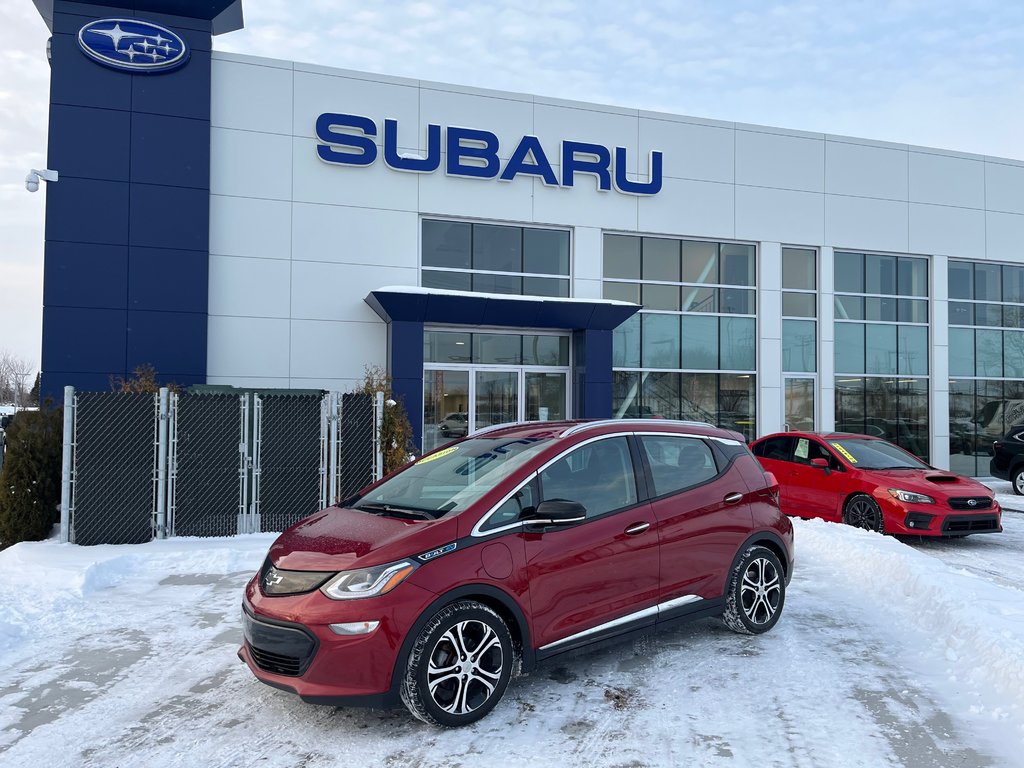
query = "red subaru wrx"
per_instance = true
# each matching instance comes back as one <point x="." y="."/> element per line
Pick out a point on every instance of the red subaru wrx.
<point x="437" y="585"/>
<point x="870" y="483"/>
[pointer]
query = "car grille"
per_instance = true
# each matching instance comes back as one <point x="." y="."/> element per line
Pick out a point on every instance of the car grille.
<point x="964" y="502"/>
<point x="970" y="524"/>
<point x="278" y="648"/>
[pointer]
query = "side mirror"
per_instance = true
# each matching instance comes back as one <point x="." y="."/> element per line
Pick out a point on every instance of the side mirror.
<point x="821" y="464"/>
<point x="558" y="512"/>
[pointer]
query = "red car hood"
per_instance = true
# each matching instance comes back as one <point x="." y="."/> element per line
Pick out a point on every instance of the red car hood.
<point x="337" y="539"/>
<point x="931" y="482"/>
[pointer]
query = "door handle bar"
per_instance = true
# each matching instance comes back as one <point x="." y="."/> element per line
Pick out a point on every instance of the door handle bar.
<point x="637" y="528"/>
<point x="733" y="498"/>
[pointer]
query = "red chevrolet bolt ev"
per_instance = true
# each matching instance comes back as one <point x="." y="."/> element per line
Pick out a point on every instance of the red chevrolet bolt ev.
<point x="437" y="585"/>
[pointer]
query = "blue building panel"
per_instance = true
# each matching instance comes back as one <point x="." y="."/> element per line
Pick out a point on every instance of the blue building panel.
<point x="167" y="280"/>
<point x="174" y="343"/>
<point x="170" y="217"/>
<point x="182" y="146"/>
<point x="83" y="339"/>
<point x="182" y="93"/>
<point x="87" y="210"/>
<point x="73" y="83"/>
<point x="94" y="143"/>
<point x="85" y="275"/>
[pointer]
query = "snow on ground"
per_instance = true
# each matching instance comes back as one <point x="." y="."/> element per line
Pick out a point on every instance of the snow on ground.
<point x="888" y="654"/>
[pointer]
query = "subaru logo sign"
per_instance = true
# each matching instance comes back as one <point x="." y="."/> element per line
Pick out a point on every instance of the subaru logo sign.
<point x="132" y="45"/>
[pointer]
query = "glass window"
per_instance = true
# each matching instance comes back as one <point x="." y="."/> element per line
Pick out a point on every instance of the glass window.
<point x="799" y="345"/>
<point x="626" y="344"/>
<point x="850" y="405"/>
<point x="699" y="299"/>
<point x="660" y="341"/>
<point x="497" y="348"/>
<point x="849" y="272"/>
<point x="988" y="354"/>
<point x="736" y="301"/>
<point x="961" y="313"/>
<point x="1013" y="317"/>
<point x="449" y="281"/>
<point x="912" y="277"/>
<point x="798" y="268"/>
<point x="912" y="342"/>
<point x="497" y="248"/>
<point x="622" y="256"/>
<point x="546" y="251"/>
<point x="700" y="342"/>
<point x="737" y="342"/>
<point x="626" y="394"/>
<point x="444" y="347"/>
<point x="876" y="308"/>
<point x="446" y="244"/>
<point x="545" y="286"/>
<point x="1013" y="284"/>
<point x="849" y="308"/>
<point x="445" y="407"/>
<point x="799" y="404"/>
<point x="678" y="462"/>
<point x="737" y="264"/>
<point x="698" y="397"/>
<point x="1013" y="354"/>
<point x="961" y="352"/>
<point x="660" y="259"/>
<point x="912" y="311"/>
<point x="961" y="280"/>
<point x="849" y="347"/>
<point x="622" y="292"/>
<point x="661" y="297"/>
<point x="775" y="448"/>
<point x="545" y="350"/>
<point x="660" y="395"/>
<point x="516" y="508"/>
<point x="736" y="403"/>
<point x="988" y="314"/>
<point x="699" y="262"/>
<point x="598" y="475"/>
<point x="799" y="304"/>
<point x="879" y="274"/>
<point x="988" y="282"/>
<point x="484" y="283"/>
<point x="880" y="349"/>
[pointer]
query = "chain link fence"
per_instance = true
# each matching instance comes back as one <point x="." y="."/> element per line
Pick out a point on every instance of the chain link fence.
<point x="211" y="464"/>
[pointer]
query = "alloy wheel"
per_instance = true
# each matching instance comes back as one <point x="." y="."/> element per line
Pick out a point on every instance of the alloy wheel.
<point x="464" y="667"/>
<point x="760" y="591"/>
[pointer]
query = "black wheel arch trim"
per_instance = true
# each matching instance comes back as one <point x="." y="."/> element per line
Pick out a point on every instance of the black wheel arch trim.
<point x="777" y="546"/>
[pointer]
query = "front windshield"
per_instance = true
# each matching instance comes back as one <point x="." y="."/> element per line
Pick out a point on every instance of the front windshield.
<point x="451" y="479"/>
<point x="875" y="454"/>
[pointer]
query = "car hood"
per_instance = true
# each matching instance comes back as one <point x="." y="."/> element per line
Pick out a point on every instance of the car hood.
<point x="932" y="482"/>
<point x="338" y="539"/>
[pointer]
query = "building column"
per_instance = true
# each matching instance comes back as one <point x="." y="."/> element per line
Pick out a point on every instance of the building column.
<point x="405" y="365"/>
<point x="770" y="410"/>
<point x="938" y="364"/>
<point x="826" y="341"/>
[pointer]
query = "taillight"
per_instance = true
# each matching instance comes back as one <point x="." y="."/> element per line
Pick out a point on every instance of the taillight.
<point x="773" y="487"/>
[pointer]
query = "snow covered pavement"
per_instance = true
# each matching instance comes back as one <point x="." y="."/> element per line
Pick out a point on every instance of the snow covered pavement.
<point x="888" y="654"/>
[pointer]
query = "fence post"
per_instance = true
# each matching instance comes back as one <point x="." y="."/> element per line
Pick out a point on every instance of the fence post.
<point x="161" y="465"/>
<point x="65" y="464"/>
<point x="378" y="448"/>
<point x="335" y="417"/>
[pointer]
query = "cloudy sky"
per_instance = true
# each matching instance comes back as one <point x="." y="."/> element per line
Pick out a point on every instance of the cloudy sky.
<point x="942" y="73"/>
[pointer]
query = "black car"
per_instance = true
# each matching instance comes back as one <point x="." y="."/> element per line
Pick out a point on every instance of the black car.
<point x="1008" y="458"/>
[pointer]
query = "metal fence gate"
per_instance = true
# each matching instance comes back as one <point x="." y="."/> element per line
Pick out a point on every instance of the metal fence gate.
<point x="211" y="464"/>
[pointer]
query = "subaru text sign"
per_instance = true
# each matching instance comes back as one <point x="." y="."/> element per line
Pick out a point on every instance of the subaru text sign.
<point x="132" y="45"/>
<point x="473" y="153"/>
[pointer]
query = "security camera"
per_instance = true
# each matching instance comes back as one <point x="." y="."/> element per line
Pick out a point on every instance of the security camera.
<point x="32" y="180"/>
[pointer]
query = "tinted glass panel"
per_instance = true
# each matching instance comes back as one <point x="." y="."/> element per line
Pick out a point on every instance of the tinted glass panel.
<point x="678" y="462"/>
<point x="497" y="248"/>
<point x="799" y="405"/>
<point x="879" y="309"/>
<point x="736" y="403"/>
<point x="497" y="284"/>
<point x="737" y="343"/>
<point x="961" y="313"/>
<point x="880" y="349"/>
<point x="961" y="280"/>
<point x="700" y="342"/>
<point x="961" y="352"/>
<point x="849" y="348"/>
<point x="446" y="244"/>
<point x="451" y="281"/>
<point x="988" y="353"/>
<point x="622" y="292"/>
<point x="660" y="259"/>
<point x="1013" y="317"/>
<point x="736" y="301"/>
<point x="698" y="397"/>
<point x="849" y="308"/>
<point x="912" y="277"/>
<point x="622" y="256"/>
<point x="660" y="297"/>
<point x="626" y="344"/>
<point x="660" y="396"/>
<point x="849" y="404"/>
<point x="799" y="345"/>
<point x="913" y="350"/>
<point x="912" y="311"/>
<point x="1013" y="354"/>
<point x="776" y="448"/>
<point x="988" y="282"/>
<point x="699" y="299"/>
<point x="879" y="274"/>
<point x="598" y="475"/>
<point x="988" y="314"/>
<point x="626" y="395"/>
<point x="849" y="272"/>
<point x="1013" y="284"/>
<point x="660" y="341"/>
<point x="737" y="264"/>
<point x="545" y="350"/>
<point x="546" y="251"/>
<point x="799" y="304"/>
<point x="798" y="268"/>
<point x="444" y="347"/>
<point x="497" y="348"/>
<point x="699" y="262"/>
<point x="445" y="407"/>
<point x="545" y="286"/>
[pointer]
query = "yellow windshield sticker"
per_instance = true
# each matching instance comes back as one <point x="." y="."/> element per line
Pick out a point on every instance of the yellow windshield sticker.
<point x="439" y="455"/>
<point x="846" y="453"/>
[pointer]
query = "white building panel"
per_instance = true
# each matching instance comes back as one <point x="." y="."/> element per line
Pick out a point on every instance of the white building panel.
<point x="249" y="164"/>
<point x="245" y="347"/>
<point x="949" y="231"/>
<point x="780" y="161"/>
<point x="694" y="208"/>
<point x="584" y="205"/>
<point x="477" y="198"/>
<point x="691" y="150"/>
<point x="336" y="350"/>
<point x="508" y="119"/>
<point x="251" y="97"/>
<point x="947" y="180"/>
<point x="1004" y="235"/>
<point x="249" y="287"/>
<point x="347" y="235"/>
<point x="866" y="170"/>
<point x="779" y="215"/>
<point x="315" y="283"/>
<point x="1004" y="187"/>
<point x="372" y="186"/>
<point x="587" y="254"/>
<point x="249" y="226"/>
<point x="866" y="223"/>
<point x="556" y="121"/>
<point x="316" y="93"/>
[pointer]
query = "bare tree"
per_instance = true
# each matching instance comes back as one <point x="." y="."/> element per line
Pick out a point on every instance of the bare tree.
<point x="15" y="375"/>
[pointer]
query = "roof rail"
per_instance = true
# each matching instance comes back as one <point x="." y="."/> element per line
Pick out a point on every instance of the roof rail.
<point x="647" y="422"/>
<point x="496" y="427"/>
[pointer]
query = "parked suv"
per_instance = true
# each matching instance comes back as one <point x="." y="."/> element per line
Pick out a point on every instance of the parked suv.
<point x="438" y="584"/>
<point x="1008" y="458"/>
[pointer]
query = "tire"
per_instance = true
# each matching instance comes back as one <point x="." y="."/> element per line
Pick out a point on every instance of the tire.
<point x="1017" y="480"/>
<point x="459" y="666"/>
<point x="756" y="593"/>
<point x="861" y="511"/>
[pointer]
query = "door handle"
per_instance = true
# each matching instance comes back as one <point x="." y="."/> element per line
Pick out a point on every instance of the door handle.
<point x="733" y="498"/>
<point x="637" y="528"/>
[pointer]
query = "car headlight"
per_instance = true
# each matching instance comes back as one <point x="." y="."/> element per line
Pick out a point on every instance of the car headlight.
<point x="278" y="582"/>
<point x="909" y="497"/>
<point x="368" y="582"/>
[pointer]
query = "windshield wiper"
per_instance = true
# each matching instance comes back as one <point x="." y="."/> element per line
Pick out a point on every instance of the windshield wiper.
<point x="898" y="466"/>
<point x="397" y="510"/>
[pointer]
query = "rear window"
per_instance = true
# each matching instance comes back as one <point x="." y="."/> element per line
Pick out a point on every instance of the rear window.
<point x="678" y="462"/>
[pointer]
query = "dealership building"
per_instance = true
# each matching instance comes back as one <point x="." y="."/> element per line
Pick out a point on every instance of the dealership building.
<point x="243" y="221"/>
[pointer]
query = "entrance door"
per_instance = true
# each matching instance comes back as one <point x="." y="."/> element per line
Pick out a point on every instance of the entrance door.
<point x="497" y="398"/>
<point x="546" y="395"/>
